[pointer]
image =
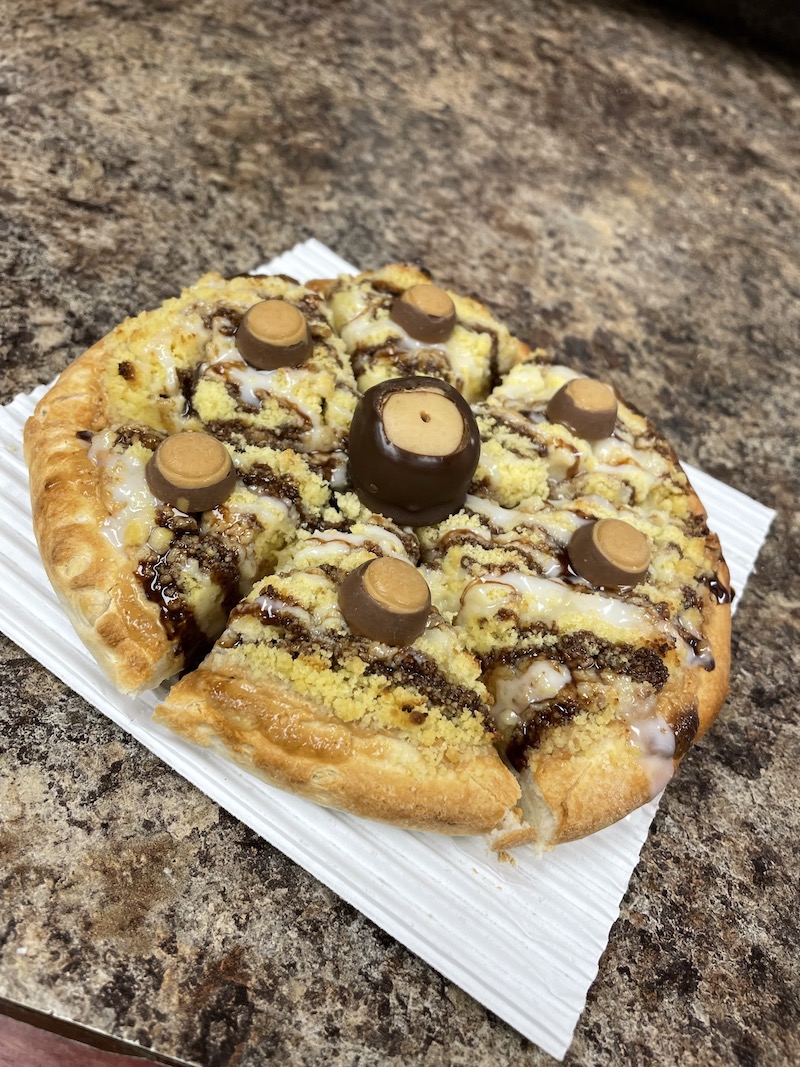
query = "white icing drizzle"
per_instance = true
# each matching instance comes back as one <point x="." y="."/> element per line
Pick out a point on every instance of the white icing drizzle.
<point x="615" y="452"/>
<point x="360" y="326"/>
<point x="543" y="600"/>
<point x="410" y="344"/>
<point x="267" y="509"/>
<point x="130" y="495"/>
<point x="491" y="466"/>
<point x="220" y="348"/>
<point x="564" y="460"/>
<point x="541" y="680"/>
<point x="164" y="355"/>
<point x="100" y="447"/>
<point x="318" y="545"/>
<point x="531" y="530"/>
<point x="619" y="459"/>
<point x="501" y="518"/>
<point x="338" y="477"/>
<point x="698" y="653"/>
<point x="649" y="732"/>
<point x="324" y="615"/>
<point x="556" y="527"/>
<point x="126" y="486"/>
<point x="506" y="719"/>
<point x="654" y="739"/>
<point x="284" y="384"/>
<point x="272" y="607"/>
<point x="688" y="626"/>
<point x="248" y="380"/>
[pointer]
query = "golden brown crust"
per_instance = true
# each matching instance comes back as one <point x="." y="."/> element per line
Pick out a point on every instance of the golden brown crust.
<point x="94" y="581"/>
<point x="713" y="685"/>
<point x="292" y="743"/>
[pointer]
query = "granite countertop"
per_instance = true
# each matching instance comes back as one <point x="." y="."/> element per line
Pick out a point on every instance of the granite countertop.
<point x="615" y="183"/>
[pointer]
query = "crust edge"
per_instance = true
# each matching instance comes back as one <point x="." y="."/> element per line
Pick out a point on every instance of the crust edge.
<point x="92" y="580"/>
<point x="291" y="743"/>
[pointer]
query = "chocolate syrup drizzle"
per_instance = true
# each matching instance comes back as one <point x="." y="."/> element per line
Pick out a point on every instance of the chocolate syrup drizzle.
<point x="400" y="666"/>
<point x="720" y="592"/>
<point x="160" y="576"/>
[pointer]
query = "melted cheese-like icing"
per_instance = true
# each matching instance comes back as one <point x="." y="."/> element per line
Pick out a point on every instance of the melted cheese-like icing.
<point x="273" y="608"/>
<point x="612" y="453"/>
<point x="317" y="545"/>
<point x="360" y="326"/>
<point x="501" y="518"/>
<point x="649" y="733"/>
<point x="698" y="650"/>
<point x="132" y="513"/>
<point x="284" y="385"/>
<point x="654" y="739"/>
<point x="541" y="680"/>
<point x="620" y="459"/>
<point x="165" y="356"/>
<point x="554" y="526"/>
<point x="538" y="599"/>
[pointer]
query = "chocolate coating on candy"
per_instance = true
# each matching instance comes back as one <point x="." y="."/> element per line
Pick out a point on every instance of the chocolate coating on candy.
<point x="585" y="406"/>
<point x="609" y="553"/>
<point x="192" y="471"/>
<point x="414" y="446"/>
<point x="426" y="313"/>
<point x="385" y="599"/>
<point x="274" y="333"/>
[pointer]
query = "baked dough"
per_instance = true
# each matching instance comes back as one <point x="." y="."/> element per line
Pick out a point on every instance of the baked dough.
<point x="535" y="706"/>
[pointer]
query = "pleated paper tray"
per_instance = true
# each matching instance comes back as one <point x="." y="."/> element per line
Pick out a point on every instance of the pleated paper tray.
<point x="523" y="938"/>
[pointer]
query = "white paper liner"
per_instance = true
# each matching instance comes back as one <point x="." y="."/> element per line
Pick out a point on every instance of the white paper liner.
<point x="524" y="939"/>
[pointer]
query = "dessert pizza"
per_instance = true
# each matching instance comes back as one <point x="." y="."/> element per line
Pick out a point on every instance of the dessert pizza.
<point x="395" y="561"/>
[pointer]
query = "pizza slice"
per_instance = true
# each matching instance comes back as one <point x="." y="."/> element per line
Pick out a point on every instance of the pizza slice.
<point x="393" y="731"/>
<point x="601" y="679"/>
<point x="148" y="578"/>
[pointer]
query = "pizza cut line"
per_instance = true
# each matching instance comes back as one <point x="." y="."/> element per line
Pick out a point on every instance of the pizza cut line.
<point x="398" y="562"/>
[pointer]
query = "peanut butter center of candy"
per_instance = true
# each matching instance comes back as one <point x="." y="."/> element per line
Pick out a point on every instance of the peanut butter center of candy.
<point x="192" y="460"/>
<point x="385" y="599"/>
<point x="585" y="406"/>
<point x="396" y="585"/>
<point x="423" y="422"/>
<point x="413" y="449"/>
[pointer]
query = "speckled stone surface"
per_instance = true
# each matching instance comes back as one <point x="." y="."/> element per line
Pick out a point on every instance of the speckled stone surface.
<point x="614" y="183"/>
